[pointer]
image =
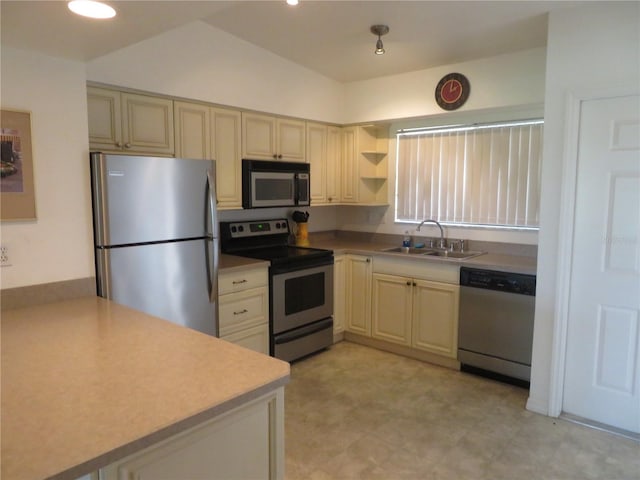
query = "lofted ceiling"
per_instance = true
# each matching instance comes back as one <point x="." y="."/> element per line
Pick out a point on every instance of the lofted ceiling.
<point x="330" y="37"/>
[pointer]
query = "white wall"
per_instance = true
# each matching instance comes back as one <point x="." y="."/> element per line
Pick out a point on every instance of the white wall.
<point x="591" y="48"/>
<point x="58" y="245"/>
<point x="504" y="87"/>
<point x="198" y="61"/>
<point x="501" y="81"/>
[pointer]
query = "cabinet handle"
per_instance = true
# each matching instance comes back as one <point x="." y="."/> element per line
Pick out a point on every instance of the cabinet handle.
<point x="118" y="144"/>
<point x="368" y="260"/>
<point x="408" y="283"/>
<point x="415" y="284"/>
<point x="238" y="282"/>
<point x="127" y="145"/>
<point x="241" y="312"/>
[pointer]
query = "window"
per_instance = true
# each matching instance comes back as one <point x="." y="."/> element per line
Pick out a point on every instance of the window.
<point x="483" y="175"/>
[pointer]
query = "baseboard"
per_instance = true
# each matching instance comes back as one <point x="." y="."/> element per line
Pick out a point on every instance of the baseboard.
<point x="402" y="350"/>
<point x="31" y="295"/>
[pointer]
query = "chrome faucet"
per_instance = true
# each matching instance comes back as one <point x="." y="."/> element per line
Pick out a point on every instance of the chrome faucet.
<point x="435" y="222"/>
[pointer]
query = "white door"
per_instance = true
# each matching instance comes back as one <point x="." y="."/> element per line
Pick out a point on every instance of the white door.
<point x="602" y="376"/>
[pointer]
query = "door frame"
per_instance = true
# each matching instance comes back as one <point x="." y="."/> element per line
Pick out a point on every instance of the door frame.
<point x="574" y="101"/>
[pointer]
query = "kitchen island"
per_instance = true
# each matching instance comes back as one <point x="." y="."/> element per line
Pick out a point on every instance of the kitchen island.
<point x="88" y="384"/>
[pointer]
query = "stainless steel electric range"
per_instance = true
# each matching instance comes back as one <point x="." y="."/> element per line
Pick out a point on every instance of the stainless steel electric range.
<point x="300" y="285"/>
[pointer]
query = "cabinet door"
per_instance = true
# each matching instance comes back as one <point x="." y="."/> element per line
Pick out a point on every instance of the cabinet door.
<point x="192" y="124"/>
<point x="255" y="338"/>
<point x="334" y="161"/>
<point x="317" y="159"/>
<point x="105" y="119"/>
<point x="290" y="143"/>
<point x="391" y="308"/>
<point x="349" y="190"/>
<point x="239" y="311"/>
<point x="147" y="124"/>
<point x="226" y="151"/>
<point x="247" y="442"/>
<point x="435" y="317"/>
<point x="339" y="294"/>
<point x="258" y="136"/>
<point x="358" y="269"/>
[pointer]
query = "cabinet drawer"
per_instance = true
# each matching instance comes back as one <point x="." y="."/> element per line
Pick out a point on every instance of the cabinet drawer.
<point x="254" y="338"/>
<point x="243" y="310"/>
<point x="229" y="282"/>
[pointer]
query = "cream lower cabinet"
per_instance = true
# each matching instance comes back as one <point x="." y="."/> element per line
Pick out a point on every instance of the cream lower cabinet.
<point x="358" y="270"/>
<point x="247" y="442"/>
<point x="391" y="308"/>
<point x="435" y="317"/>
<point x="339" y="294"/>
<point x="130" y="123"/>
<point x="244" y="308"/>
<point x="421" y="314"/>
<point x="204" y="132"/>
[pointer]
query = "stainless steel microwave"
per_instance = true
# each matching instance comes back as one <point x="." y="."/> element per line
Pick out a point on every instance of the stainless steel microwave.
<point x="274" y="184"/>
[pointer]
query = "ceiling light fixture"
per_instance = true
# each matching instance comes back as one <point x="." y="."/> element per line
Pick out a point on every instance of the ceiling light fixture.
<point x="379" y="30"/>
<point x="91" y="9"/>
<point x="292" y="2"/>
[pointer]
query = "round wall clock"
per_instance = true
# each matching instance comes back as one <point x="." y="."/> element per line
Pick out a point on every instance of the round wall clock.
<point x="452" y="91"/>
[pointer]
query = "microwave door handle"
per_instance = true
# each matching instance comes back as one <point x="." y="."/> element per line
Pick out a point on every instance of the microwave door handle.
<point x="296" y="189"/>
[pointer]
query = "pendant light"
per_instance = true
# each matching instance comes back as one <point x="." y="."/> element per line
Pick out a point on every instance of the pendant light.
<point x="379" y="30"/>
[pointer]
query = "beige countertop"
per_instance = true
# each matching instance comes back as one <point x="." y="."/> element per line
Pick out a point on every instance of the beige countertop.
<point x="230" y="263"/>
<point x="86" y="382"/>
<point x="490" y="261"/>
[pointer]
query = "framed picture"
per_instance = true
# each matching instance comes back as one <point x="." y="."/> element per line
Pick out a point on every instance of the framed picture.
<point x="17" y="195"/>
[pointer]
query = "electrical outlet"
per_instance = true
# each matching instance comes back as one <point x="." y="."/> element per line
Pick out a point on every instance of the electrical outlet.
<point x="4" y="256"/>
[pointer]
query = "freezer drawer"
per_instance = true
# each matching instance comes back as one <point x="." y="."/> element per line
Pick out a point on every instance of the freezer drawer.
<point x="169" y="280"/>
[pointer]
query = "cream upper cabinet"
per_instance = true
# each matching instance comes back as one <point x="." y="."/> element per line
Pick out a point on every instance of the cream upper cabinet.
<point x="435" y="317"/>
<point x="226" y="150"/>
<point x="192" y="126"/>
<point x="128" y="122"/>
<point x="317" y="159"/>
<point x="391" y="308"/>
<point x="358" y="291"/>
<point x="273" y="138"/>
<point x="334" y="162"/>
<point x="372" y="148"/>
<point x="349" y="170"/>
<point x="204" y="132"/>
<point x="339" y="293"/>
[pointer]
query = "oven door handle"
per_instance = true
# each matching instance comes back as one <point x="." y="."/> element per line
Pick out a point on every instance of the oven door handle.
<point x="303" y="331"/>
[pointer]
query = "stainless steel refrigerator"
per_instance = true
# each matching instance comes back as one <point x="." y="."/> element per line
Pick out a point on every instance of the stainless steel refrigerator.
<point x="156" y="236"/>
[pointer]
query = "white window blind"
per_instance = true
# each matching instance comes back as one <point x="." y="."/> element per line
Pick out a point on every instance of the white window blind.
<point x="474" y="175"/>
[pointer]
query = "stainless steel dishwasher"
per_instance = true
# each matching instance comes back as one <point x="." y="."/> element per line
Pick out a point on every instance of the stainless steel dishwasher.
<point x="495" y="332"/>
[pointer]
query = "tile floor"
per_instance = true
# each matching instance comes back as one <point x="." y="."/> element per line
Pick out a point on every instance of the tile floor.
<point x="353" y="412"/>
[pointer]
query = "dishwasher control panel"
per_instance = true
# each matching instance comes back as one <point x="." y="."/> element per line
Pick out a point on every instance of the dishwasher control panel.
<point x="517" y="283"/>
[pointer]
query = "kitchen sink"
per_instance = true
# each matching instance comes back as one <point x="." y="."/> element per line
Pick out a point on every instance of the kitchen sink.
<point x="433" y="253"/>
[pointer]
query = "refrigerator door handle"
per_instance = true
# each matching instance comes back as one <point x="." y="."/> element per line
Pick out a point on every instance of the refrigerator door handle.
<point x="215" y="248"/>
<point x="212" y="202"/>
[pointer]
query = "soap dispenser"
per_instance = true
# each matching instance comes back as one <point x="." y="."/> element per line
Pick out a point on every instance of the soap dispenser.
<point x="406" y="240"/>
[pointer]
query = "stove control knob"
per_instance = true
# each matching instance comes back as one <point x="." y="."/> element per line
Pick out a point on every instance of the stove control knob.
<point x="241" y="228"/>
<point x="233" y="229"/>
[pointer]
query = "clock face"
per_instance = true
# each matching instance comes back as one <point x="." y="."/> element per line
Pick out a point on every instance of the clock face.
<point x="452" y="91"/>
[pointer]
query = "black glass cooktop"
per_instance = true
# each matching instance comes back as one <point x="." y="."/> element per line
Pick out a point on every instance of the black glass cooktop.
<point x="285" y="253"/>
